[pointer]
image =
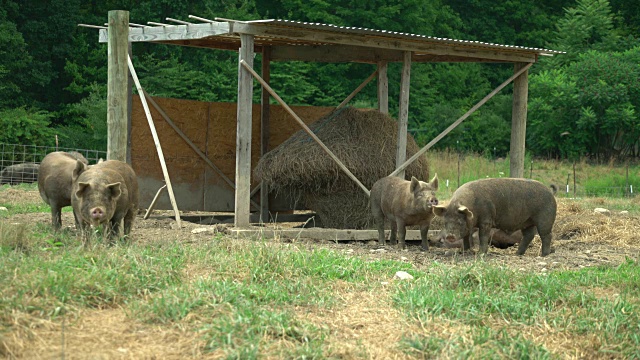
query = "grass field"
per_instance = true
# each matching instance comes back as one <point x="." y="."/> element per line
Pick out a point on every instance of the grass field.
<point x="175" y="295"/>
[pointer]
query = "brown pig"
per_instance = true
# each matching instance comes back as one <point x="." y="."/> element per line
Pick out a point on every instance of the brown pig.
<point x="507" y="204"/>
<point x="54" y="182"/>
<point x="497" y="238"/>
<point x="26" y="173"/>
<point x="105" y="194"/>
<point x="403" y="203"/>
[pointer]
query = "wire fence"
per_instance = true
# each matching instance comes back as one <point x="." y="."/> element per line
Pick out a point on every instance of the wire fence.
<point x="20" y="163"/>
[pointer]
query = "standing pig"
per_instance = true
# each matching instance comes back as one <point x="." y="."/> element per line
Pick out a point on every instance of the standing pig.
<point x="105" y="194"/>
<point x="19" y="173"/>
<point x="506" y="204"/>
<point x="54" y="182"/>
<point x="403" y="203"/>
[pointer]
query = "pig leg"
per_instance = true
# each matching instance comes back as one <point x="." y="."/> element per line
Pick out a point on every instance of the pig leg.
<point x="466" y="242"/>
<point x="128" y="222"/>
<point x="378" y="217"/>
<point x="114" y="228"/>
<point x="56" y="216"/>
<point x="527" y="236"/>
<point x="392" y="234"/>
<point x="424" y="232"/>
<point x="484" y="232"/>
<point x="402" y="232"/>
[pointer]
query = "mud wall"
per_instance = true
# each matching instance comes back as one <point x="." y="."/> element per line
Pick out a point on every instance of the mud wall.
<point x="211" y="126"/>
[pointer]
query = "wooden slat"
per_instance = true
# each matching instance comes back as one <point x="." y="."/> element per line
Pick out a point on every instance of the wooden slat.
<point x="403" y="113"/>
<point x="383" y="88"/>
<point x="243" y="134"/>
<point x="518" y="122"/>
<point x="320" y="234"/>
<point x="357" y="90"/>
<point x="383" y="42"/>
<point x="460" y="120"/>
<point x="117" y="82"/>
<point x="156" y="141"/>
<point x="305" y="127"/>
<point x="173" y="32"/>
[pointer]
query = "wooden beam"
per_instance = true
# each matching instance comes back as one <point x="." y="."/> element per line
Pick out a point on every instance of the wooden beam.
<point x="403" y="113"/>
<point x="129" y="104"/>
<point x="265" y="131"/>
<point x="459" y="121"/>
<point x="423" y="46"/>
<point x="357" y="90"/>
<point x="518" y="122"/>
<point x="383" y="88"/>
<point x="153" y="202"/>
<point x="320" y="234"/>
<point x="117" y="81"/>
<point x="243" y="133"/>
<point x="192" y="145"/>
<point x="156" y="140"/>
<point x="305" y="127"/>
<point x="173" y="32"/>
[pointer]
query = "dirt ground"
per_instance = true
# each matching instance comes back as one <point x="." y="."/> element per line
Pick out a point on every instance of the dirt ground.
<point x="581" y="237"/>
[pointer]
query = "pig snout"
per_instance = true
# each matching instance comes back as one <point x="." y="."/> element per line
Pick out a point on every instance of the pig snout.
<point x="97" y="214"/>
<point x="433" y="201"/>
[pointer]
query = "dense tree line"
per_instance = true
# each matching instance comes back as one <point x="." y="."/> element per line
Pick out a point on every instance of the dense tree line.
<point x="583" y="103"/>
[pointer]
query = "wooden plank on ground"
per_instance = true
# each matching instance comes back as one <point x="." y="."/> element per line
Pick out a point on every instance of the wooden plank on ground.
<point x="320" y="234"/>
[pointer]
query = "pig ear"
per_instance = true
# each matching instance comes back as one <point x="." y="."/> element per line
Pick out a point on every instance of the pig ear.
<point x="434" y="182"/>
<point x="115" y="190"/>
<point x="465" y="210"/>
<point x="81" y="188"/>
<point x="79" y="169"/>
<point x="415" y="184"/>
<point x="439" y="210"/>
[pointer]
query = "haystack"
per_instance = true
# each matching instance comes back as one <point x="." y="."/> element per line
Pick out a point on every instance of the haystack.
<point x="364" y="140"/>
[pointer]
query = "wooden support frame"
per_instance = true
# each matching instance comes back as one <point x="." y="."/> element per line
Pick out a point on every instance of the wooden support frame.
<point x="156" y="140"/>
<point x="243" y="133"/>
<point x="265" y="130"/>
<point x="459" y="121"/>
<point x="403" y="113"/>
<point x="192" y="145"/>
<point x="117" y="82"/>
<point x="518" y="122"/>
<point x="357" y="90"/>
<point x="383" y="88"/>
<point x="305" y="127"/>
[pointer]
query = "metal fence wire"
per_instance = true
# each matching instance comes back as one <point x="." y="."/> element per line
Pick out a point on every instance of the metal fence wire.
<point x="20" y="163"/>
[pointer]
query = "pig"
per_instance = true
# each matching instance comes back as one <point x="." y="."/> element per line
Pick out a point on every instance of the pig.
<point x="54" y="182"/>
<point x="497" y="238"/>
<point x="105" y="194"/>
<point x="403" y="203"/>
<point x="19" y="173"/>
<point x="505" y="203"/>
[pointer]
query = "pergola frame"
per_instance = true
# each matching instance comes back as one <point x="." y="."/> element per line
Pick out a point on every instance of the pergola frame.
<point x="284" y="40"/>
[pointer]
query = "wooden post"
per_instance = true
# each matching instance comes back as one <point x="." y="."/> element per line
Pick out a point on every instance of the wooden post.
<point x="243" y="133"/>
<point x="519" y="122"/>
<point x="403" y="113"/>
<point x="129" y="106"/>
<point x="383" y="88"/>
<point x="117" y="82"/>
<point x="265" y="113"/>
<point x="156" y="141"/>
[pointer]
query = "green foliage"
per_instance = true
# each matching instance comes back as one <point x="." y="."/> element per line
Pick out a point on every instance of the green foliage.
<point x="25" y="126"/>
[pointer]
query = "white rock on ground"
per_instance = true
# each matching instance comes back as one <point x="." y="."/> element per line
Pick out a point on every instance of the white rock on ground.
<point x="403" y="275"/>
<point x="2" y="208"/>
<point x="602" y="211"/>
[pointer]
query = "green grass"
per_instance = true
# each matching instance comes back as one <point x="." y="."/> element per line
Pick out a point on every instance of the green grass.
<point x="490" y="300"/>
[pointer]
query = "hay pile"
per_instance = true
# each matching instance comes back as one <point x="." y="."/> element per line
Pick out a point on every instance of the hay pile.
<point x="365" y="141"/>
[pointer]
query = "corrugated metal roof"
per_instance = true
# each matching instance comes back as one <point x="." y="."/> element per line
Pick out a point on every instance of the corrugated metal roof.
<point x="400" y="35"/>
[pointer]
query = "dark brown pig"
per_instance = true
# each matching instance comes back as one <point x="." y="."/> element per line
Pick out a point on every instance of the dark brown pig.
<point x="507" y="204"/>
<point x="19" y="173"/>
<point x="403" y="203"/>
<point x="54" y="182"/>
<point x="105" y="194"/>
<point x="497" y="238"/>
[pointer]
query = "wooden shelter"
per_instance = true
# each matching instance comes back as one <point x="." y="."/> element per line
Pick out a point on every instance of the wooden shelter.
<point x="285" y="40"/>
